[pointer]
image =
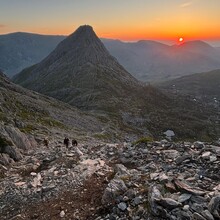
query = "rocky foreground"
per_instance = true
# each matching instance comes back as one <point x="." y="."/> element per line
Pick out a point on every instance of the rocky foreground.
<point x="158" y="180"/>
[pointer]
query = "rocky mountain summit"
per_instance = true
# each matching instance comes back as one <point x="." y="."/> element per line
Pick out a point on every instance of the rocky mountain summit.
<point x="143" y="180"/>
<point x="81" y="72"/>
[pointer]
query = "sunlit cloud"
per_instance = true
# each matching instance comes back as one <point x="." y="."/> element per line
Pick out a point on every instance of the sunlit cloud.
<point x="2" y="26"/>
<point x="186" y="4"/>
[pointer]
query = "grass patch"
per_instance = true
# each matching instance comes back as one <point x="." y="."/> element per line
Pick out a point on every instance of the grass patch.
<point x="102" y="136"/>
<point x="50" y="122"/>
<point x="28" y="128"/>
<point x="143" y="140"/>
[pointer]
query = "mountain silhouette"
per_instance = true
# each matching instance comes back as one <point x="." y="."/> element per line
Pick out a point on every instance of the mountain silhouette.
<point x="151" y="61"/>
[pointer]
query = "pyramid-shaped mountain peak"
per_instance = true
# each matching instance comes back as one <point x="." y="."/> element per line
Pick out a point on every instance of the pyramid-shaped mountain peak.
<point x="81" y="47"/>
<point x="85" y="29"/>
<point x="83" y="33"/>
<point x="79" y="62"/>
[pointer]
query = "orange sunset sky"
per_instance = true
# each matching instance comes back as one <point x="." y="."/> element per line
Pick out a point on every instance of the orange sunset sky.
<point x="128" y="20"/>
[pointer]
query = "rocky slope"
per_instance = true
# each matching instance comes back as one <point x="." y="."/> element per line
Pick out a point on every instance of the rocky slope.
<point x="151" y="61"/>
<point x="154" y="180"/>
<point x="200" y="86"/>
<point x="19" y="50"/>
<point x="26" y="118"/>
<point x="81" y="72"/>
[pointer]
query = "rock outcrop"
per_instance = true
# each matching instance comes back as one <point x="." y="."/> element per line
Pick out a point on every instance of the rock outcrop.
<point x="115" y="181"/>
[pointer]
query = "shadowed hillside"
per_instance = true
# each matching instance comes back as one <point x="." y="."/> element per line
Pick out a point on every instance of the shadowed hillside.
<point x="202" y="86"/>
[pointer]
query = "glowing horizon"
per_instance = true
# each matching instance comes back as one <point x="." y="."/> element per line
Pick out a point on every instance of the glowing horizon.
<point x="130" y="21"/>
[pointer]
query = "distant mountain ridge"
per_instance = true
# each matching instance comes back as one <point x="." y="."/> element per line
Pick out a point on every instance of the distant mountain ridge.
<point x="81" y="72"/>
<point x="146" y="60"/>
<point x="19" y="50"/>
<point x="151" y="61"/>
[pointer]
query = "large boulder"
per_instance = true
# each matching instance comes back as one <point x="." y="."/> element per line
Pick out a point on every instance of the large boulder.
<point x="5" y="159"/>
<point x="214" y="206"/>
<point x="12" y="142"/>
<point x="115" y="188"/>
<point x="13" y="153"/>
<point x="20" y="139"/>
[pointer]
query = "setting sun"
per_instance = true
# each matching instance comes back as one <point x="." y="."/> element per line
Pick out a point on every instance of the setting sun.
<point x="181" y="39"/>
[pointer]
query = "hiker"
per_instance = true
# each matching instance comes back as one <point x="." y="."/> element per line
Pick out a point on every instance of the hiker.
<point x="74" y="142"/>
<point x="66" y="141"/>
<point x="46" y="142"/>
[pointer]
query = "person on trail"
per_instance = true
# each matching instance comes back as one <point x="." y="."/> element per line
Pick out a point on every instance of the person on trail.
<point x="46" y="142"/>
<point x="66" y="141"/>
<point x="74" y="142"/>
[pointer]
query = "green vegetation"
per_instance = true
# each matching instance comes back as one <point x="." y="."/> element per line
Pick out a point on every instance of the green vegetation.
<point x="23" y="112"/>
<point x="102" y="136"/>
<point x="28" y="128"/>
<point x="24" y="74"/>
<point x="143" y="140"/>
<point x="39" y="117"/>
<point x="50" y="122"/>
